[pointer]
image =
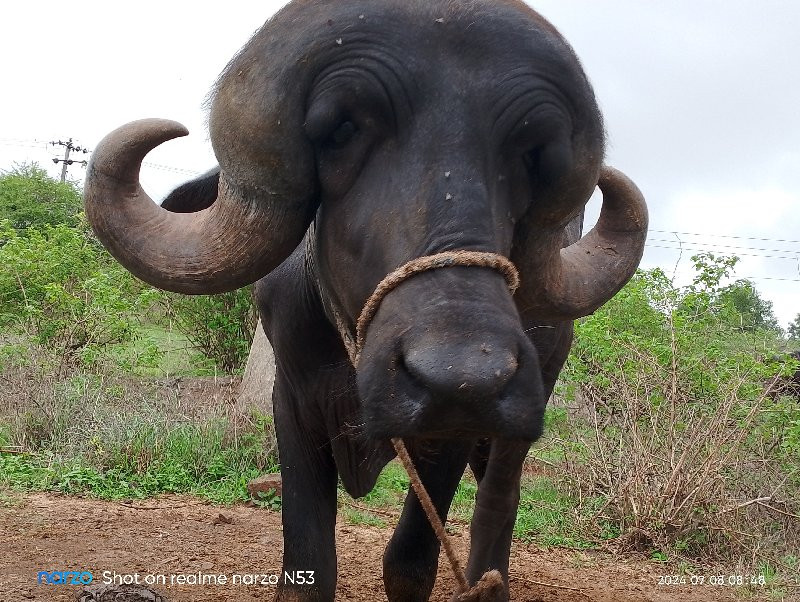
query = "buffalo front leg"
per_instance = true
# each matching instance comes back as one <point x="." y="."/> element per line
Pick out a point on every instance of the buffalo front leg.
<point x="411" y="558"/>
<point x="308" y="505"/>
<point x="496" y="510"/>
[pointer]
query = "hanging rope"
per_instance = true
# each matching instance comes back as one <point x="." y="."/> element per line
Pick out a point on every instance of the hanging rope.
<point x="430" y="512"/>
<point x="490" y="587"/>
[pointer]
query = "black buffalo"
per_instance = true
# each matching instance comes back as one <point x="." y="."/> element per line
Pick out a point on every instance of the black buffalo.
<point x="354" y="136"/>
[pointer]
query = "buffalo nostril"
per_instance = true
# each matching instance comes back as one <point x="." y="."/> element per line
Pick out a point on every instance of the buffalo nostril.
<point x="461" y="370"/>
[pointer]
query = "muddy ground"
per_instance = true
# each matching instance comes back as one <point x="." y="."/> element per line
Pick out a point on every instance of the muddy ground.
<point x="175" y="536"/>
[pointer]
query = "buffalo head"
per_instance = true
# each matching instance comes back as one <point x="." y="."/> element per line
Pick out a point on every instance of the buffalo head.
<point x="399" y="129"/>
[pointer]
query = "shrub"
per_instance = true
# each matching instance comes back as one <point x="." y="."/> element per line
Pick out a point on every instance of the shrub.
<point x="60" y="288"/>
<point x="29" y="198"/>
<point x="220" y="326"/>
<point x="686" y="439"/>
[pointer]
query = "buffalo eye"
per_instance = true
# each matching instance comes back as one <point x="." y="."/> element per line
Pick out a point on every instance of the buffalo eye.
<point x="342" y="135"/>
<point x="531" y="160"/>
<point x="547" y="163"/>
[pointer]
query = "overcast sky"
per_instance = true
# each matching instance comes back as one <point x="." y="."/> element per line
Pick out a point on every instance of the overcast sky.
<point x="700" y="100"/>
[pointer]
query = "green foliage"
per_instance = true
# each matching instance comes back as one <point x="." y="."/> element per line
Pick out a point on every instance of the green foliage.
<point x="29" y="198"/>
<point x="269" y="500"/>
<point x="150" y="459"/>
<point x="464" y="498"/>
<point x="738" y="305"/>
<point x="59" y="287"/>
<point x="634" y="318"/>
<point x="744" y="308"/>
<point x="390" y="490"/>
<point x="794" y="329"/>
<point x="677" y="404"/>
<point x="548" y="516"/>
<point x="699" y="330"/>
<point x="220" y="326"/>
<point x="781" y="423"/>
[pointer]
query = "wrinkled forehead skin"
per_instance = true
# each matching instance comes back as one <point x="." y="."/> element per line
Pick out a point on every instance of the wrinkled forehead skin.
<point x="413" y="44"/>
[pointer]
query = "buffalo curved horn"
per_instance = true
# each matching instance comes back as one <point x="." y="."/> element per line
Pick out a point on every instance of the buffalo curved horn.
<point x="571" y="282"/>
<point x="232" y="243"/>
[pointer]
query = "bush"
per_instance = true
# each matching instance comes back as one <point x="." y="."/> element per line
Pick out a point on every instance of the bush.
<point x="64" y="291"/>
<point x="687" y="439"/>
<point x="29" y="198"/>
<point x="98" y="433"/>
<point x="220" y="326"/>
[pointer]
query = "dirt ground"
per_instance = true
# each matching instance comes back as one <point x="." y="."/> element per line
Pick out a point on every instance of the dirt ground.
<point x="184" y="536"/>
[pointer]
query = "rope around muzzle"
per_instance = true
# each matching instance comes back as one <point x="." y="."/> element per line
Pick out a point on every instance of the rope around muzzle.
<point x="416" y="266"/>
<point x="490" y="586"/>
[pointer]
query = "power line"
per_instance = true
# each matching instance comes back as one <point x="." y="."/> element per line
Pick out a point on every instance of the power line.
<point x="178" y="170"/>
<point x="38" y="144"/>
<point x="712" y="249"/>
<point x="724" y="236"/>
<point x="772" y="278"/>
<point x="22" y="141"/>
<point x="720" y="246"/>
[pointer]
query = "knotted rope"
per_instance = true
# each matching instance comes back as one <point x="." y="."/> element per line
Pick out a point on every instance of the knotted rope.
<point x="490" y="586"/>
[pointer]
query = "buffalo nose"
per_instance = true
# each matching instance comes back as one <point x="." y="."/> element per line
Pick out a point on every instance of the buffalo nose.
<point x="462" y="370"/>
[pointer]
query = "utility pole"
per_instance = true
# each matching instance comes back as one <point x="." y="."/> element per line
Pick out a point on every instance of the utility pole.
<point x="66" y="160"/>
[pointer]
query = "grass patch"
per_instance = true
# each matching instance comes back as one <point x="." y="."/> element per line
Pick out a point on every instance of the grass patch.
<point x="108" y="437"/>
<point x="159" y="352"/>
<point x="390" y="489"/>
<point x="549" y="517"/>
<point x="199" y="461"/>
<point x="355" y="516"/>
<point x="464" y="498"/>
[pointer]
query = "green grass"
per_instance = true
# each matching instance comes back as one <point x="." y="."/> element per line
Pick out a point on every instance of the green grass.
<point x="464" y="499"/>
<point x="200" y="459"/>
<point x="547" y="516"/>
<point x="355" y="516"/>
<point x="221" y="483"/>
<point x="390" y="490"/>
<point x="160" y="352"/>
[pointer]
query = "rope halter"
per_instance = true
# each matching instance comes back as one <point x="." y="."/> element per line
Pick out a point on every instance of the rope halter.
<point x="445" y="259"/>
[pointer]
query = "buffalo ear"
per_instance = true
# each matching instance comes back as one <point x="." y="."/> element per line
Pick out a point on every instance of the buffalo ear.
<point x="195" y="195"/>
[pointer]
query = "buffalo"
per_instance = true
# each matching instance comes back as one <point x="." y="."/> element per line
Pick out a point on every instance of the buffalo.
<point x="451" y="145"/>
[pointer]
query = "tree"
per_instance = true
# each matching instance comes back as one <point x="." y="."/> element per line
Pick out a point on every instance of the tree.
<point x="29" y="198"/>
<point x="738" y="305"/>
<point x="794" y="329"/>
<point x="742" y="304"/>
